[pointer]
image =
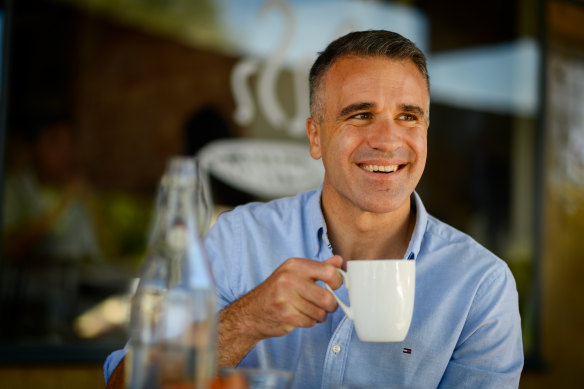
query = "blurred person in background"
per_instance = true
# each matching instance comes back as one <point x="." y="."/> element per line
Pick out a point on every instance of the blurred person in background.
<point x="48" y="229"/>
<point x="205" y="126"/>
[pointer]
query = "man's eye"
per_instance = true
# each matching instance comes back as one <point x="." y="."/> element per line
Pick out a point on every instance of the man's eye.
<point x="407" y="117"/>
<point x="362" y="116"/>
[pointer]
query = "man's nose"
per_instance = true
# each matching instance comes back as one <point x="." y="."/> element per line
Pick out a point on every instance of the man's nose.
<point x="384" y="134"/>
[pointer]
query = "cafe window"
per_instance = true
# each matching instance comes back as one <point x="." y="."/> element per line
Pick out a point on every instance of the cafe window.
<point x="101" y="94"/>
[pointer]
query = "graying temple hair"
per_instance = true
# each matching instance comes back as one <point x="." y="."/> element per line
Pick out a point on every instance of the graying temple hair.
<point x="372" y="43"/>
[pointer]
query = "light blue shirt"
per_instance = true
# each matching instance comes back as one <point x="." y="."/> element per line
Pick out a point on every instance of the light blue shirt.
<point x="465" y="330"/>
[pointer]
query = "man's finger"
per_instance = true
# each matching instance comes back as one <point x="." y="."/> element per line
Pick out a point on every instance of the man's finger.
<point x="311" y="311"/>
<point x="319" y="297"/>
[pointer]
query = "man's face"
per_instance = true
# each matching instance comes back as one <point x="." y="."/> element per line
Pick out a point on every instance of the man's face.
<point x="373" y="136"/>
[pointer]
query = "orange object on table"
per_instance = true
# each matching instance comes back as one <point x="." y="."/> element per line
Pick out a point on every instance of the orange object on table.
<point x="232" y="381"/>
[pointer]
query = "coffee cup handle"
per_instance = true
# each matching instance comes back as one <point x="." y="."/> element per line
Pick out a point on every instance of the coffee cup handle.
<point x="347" y="309"/>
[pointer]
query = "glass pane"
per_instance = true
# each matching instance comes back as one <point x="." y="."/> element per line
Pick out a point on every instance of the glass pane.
<point x="103" y="93"/>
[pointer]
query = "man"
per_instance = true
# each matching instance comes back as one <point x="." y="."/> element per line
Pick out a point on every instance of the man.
<point x="370" y="115"/>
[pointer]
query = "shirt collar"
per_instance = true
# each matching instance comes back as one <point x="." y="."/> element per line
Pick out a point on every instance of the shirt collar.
<point x="318" y="230"/>
<point x="420" y="227"/>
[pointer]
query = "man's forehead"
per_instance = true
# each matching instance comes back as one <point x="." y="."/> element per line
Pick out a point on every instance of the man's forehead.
<point x="358" y="81"/>
<point x="357" y="63"/>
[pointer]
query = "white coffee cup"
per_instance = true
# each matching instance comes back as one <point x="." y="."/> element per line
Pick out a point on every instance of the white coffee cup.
<point x="381" y="295"/>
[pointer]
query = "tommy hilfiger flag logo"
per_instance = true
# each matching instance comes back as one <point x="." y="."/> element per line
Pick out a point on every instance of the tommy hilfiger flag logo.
<point x="407" y="350"/>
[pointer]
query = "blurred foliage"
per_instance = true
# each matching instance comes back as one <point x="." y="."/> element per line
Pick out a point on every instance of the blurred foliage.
<point x="123" y="224"/>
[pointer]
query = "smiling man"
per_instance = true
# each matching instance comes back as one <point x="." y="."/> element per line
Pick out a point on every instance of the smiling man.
<point x="370" y="116"/>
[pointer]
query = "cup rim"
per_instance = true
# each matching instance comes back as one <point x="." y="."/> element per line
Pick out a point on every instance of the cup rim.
<point x="376" y="259"/>
<point x="384" y="260"/>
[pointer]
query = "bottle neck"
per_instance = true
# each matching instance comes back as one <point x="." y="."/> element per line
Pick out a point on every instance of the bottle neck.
<point x="175" y="238"/>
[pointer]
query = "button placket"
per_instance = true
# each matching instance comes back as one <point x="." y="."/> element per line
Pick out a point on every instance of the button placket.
<point x="336" y="357"/>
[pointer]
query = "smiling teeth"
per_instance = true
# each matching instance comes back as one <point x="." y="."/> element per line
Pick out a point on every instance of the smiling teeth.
<point x="377" y="168"/>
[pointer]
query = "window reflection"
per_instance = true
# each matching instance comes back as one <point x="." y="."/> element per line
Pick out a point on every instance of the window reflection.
<point x="144" y="83"/>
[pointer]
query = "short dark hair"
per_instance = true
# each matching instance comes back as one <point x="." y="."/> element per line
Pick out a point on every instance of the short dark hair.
<point x="371" y="43"/>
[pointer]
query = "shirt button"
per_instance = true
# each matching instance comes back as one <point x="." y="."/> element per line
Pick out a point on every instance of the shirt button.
<point x="336" y="349"/>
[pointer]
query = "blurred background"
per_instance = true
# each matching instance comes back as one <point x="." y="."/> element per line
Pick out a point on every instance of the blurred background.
<point x="96" y="95"/>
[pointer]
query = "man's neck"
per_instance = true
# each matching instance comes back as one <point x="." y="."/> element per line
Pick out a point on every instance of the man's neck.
<point x="358" y="234"/>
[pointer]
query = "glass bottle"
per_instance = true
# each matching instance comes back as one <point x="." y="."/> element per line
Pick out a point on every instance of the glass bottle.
<point x="202" y="197"/>
<point x="173" y="312"/>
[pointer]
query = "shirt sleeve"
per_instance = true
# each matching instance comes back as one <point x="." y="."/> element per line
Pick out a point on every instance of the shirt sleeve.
<point x="111" y="362"/>
<point x="489" y="352"/>
<point x="221" y="246"/>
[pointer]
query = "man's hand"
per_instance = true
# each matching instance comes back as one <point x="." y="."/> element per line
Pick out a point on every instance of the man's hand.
<point x="289" y="298"/>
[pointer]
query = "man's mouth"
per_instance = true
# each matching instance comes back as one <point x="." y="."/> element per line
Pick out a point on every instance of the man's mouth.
<point x="380" y="168"/>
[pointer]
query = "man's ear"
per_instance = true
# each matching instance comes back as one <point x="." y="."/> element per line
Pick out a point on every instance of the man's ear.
<point x="313" y="132"/>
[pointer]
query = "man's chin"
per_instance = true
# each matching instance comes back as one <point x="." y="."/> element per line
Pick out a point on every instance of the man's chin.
<point x="384" y="204"/>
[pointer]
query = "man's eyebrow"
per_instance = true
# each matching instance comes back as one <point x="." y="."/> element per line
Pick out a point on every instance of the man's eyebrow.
<point x="413" y="109"/>
<point x="349" y="109"/>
